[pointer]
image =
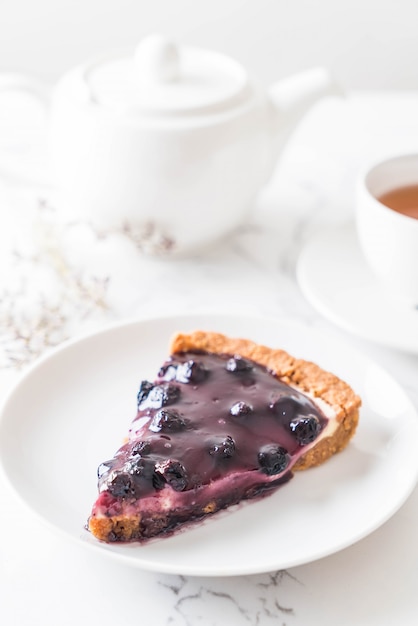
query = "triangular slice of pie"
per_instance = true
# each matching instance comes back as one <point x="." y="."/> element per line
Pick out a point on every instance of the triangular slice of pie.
<point x="225" y="420"/>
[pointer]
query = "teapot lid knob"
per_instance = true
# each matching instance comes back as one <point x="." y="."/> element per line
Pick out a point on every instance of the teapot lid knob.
<point x="163" y="78"/>
<point x="157" y="60"/>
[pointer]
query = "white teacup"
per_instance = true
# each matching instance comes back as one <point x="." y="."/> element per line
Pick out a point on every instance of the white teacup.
<point x="389" y="238"/>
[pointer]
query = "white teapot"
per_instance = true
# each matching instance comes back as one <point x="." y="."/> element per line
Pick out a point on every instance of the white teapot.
<point x="173" y="142"/>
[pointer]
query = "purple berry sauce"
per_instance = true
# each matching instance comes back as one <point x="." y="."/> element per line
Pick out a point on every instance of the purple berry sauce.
<point x="205" y="418"/>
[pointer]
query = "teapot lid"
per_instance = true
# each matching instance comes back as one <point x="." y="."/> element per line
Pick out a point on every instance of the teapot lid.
<point x="164" y="78"/>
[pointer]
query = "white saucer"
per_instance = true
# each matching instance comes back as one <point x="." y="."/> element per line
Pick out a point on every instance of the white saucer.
<point x="334" y="277"/>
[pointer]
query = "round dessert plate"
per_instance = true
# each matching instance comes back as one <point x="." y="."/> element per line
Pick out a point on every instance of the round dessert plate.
<point x="335" y="278"/>
<point x="72" y="409"/>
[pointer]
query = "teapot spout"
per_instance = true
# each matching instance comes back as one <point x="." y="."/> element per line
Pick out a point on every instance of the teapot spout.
<point x="292" y="97"/>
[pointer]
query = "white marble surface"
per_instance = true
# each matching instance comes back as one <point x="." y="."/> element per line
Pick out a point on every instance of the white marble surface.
<point x="58" y="281"/>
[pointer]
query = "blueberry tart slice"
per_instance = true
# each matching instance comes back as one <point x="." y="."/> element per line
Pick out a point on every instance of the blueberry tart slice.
<point x="225" y="420"/>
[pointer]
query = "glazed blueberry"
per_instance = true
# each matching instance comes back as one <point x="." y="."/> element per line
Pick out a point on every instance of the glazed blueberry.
<point x="240" y="409"/>
<point x="238" y="365"/>
<point x="173" y="473"/>
<point x="273" y="459"/>
<point x="141" y="448"/>
<point x="224" y="448"/>
<point x="285" y="407"/>
<point x="167" y="420"/>
<point x="144" y="390"/>
<point x="306" y="428"/>
<point x="168" y="372"/>
<point x="122" y="486"/>
<point x="191" y="372"/>
<point x="162" y="395"/>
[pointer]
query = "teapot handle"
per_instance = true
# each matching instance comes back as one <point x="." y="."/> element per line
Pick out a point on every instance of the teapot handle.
<point x="12" y="168"/>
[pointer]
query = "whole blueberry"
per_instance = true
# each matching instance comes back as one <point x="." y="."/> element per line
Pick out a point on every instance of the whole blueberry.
<point x="191" y="372"/>
<point x="241" y="409"/>
<point x="162" y="395"/>
<point x="238" y="365"/>
<point x="273" y="459"/>
<point x="306" y="428"/>
<point x="223" y="448"/>
<point x="121" y="486"/>
<point x="173" y="472"/>
<point x="144" y="390"/>
<point x="167" y="420"/>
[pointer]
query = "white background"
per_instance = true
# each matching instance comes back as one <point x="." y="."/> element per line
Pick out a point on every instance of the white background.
<point x="366" y="43"/>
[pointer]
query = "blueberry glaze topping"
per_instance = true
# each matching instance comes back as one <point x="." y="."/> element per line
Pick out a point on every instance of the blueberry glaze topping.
<point x="207" y="416"/>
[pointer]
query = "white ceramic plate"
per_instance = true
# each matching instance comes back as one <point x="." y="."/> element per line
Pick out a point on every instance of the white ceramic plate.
<point x="73" y="408"/>
<point x="335" y="278"/>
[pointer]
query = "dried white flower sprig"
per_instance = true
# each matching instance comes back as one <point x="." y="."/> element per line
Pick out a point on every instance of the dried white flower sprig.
<point x="44" y="298"/>
<point x="25" y="337"/>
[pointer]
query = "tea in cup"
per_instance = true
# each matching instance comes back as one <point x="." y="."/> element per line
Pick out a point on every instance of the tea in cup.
<point x="387" y="224"/>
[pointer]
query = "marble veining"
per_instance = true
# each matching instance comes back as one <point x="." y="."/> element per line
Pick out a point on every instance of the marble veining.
<point x="193" y="596"/>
